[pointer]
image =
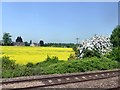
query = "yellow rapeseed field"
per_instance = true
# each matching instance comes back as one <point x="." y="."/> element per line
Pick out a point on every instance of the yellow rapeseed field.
<point x="23" y="54"/>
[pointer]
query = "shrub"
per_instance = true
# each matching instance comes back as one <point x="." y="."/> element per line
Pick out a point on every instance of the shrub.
<point x="7" y="63"/>
<point x="29" y="64"/>
<point x="115" y="54"/>
<point x="75" y="49"/>
<point x="38" y="70"/>
<point x="71" y="57"/>
<point x="81" y="65"/>
<point x="54" y="66"/>
<point x="91" y="53"/>
<point x="53" y="59"/>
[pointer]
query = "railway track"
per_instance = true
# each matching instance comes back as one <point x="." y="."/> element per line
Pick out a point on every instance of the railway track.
<point x="27" y="83"/>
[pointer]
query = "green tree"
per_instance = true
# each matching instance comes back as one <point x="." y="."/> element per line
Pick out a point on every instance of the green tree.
<point x="115" y="40"/>
<point x="30" y="41"/>
<point x="26" y="43"/>
<point x="115" y="37"/>
<point x="41" y="43"/>
<point x="7" y="39"/>
<point x="19" y="39"/>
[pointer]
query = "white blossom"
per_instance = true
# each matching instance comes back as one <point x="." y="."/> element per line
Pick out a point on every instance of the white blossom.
<point x="102" y="43"/>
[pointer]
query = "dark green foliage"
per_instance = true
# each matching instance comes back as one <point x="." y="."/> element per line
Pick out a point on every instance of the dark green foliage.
<point x="55" y="66"/>
<point x="7" y="39"/>
<point x="29" y="64"/>
<point x="30" y="42"/>
<point x="11" y="69"/>
<point x="115" y="40"/>
<point x="91" y="53"/>
<point x="115" y="37"/>
<point x="19" y="39"/>
<point x="88" y="53"/>
<point x="26" y="43"/>
<point x="72" y="57"/>
<point x="41" y="43"/>
<point x="75" y="49"/>
<point x="8" y="64"/>
<point x="54" y="59"/>
<point x="17" y="72"/>
<point x="67" y="45"/>
<point x="81" y="66"/>
<point x="115" y="54"/>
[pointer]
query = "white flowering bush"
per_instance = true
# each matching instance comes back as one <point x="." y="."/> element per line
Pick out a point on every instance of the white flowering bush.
<point x="98" y="43"/>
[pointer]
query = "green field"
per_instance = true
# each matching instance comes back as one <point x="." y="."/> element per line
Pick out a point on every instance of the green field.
<point x="23" y="54"/>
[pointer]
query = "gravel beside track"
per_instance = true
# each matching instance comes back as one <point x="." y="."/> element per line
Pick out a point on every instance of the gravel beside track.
<point x="45" y="81"/>
<point x="103" y="83"/>
<point x="50" y="75"/>
<point x="23" y="84"/>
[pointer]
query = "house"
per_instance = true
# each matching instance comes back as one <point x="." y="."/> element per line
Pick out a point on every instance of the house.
<point x="19" y="44"/>
<point x="34" y="44"/>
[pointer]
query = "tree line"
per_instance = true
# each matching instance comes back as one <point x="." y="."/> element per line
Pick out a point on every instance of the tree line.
<point x="7" y="41"/>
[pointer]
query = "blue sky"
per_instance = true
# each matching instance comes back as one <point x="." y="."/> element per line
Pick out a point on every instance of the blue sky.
<point x="58" y="22"/>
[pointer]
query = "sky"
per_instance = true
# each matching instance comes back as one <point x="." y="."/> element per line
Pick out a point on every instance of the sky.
<point x="58" y="22"/>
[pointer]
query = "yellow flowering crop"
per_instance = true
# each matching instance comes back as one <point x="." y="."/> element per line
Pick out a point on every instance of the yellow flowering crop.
<point x="23" y="54"/>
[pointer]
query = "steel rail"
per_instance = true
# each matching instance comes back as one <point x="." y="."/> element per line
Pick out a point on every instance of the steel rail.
<point x="66" y="79"/>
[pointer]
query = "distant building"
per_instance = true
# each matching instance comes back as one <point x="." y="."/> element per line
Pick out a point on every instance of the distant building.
<point x="19" y="44"/>
<point x="34" y="44"/>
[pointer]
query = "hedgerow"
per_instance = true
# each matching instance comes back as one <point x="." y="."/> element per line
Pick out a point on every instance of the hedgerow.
<point x="55" y="66"/>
